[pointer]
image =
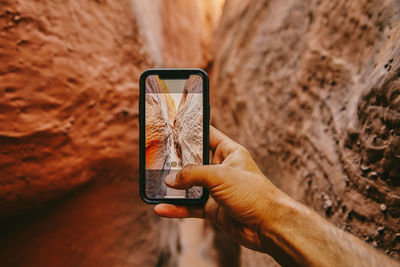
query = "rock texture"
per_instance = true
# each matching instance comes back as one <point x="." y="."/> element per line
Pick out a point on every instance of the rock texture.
<point x="312" y="89"/>
<point x="188" y="125"/>
<point x="174" y="133"/>
<point x="188" y="128"/>
<point x="69" y="132"/>
<point x="178" y="33"/>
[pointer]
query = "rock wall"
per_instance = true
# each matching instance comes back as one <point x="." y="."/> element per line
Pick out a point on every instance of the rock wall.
<point x="69" y="75"/>
<point x="312" y="89"/>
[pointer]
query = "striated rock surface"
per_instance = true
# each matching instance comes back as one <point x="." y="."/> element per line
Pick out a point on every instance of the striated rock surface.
<point x="69" y="75"/>
<point x="160" y="115"/>
<point x="188" y="125"/>
<point x="174" y="132"/>
<point x="312" y="89"/>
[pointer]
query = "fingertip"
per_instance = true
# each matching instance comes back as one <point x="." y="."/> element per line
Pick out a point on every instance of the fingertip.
<point x="193" y="175"/>
<point x="158" y="209"/>
<point x="170" y="179"/>
<point x="179" y="181"/>
<point x="171" y="211"/>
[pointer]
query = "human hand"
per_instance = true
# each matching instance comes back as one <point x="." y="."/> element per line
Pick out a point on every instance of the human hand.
<point x="246" y="206"/>
<point x="240" y="193"/>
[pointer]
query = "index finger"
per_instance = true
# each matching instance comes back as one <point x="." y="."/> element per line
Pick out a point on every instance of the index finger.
<point x="174" y="211"/>
<point x="217" y="137"/>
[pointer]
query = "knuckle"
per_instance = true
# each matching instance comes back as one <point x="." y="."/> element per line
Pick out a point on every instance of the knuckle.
<point x="243" y="151"/>
<point x="185" y="173"/>
<point x="220" y="173"/>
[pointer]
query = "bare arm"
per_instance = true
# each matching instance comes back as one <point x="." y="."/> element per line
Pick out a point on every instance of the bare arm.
<point x="310" y="240"/>
<point x="251" y="210"/>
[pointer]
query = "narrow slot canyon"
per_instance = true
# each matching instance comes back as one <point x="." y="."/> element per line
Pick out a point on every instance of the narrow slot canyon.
<point x="311" y="88"/>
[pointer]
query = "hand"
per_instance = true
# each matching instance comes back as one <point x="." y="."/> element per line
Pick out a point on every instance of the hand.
<point x="240" y="193"/>
<point x="252" y="211"/>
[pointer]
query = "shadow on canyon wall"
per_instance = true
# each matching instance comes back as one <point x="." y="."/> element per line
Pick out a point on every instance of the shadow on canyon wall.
<point x="311" y="88"/>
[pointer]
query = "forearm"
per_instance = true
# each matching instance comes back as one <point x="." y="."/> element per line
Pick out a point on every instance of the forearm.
<point x="296" y="233"/>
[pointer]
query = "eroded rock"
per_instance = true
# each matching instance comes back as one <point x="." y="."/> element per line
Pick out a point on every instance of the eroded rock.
<point x="311" y="88"/>
<point x="69" y="75"/>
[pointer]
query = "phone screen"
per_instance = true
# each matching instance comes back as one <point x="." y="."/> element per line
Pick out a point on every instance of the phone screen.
<point x="173" y="133"/>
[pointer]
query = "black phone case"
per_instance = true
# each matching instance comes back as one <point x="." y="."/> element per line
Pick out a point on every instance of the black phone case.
<point x="172" y="74"/>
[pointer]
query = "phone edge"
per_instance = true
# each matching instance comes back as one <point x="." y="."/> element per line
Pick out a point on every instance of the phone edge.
<point x="206" y="129"/>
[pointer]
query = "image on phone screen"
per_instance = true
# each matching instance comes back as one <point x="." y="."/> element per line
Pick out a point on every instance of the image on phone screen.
<point x="173" y="133"/>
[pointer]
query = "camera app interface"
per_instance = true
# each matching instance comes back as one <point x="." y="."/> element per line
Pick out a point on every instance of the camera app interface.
<point x="174" y="133"/>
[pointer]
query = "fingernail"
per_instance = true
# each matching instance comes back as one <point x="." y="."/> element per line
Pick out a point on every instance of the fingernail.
<point x="170" y="178"/>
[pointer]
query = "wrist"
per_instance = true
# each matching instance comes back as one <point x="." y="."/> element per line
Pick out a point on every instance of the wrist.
<point x="278" y="214"/>
<point x="281" y="229"/>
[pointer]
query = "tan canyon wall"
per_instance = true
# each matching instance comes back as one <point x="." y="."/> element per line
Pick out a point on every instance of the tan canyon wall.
<point x="312" y="88"/>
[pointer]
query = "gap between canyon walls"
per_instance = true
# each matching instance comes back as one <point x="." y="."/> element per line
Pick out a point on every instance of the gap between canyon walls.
<point x="172" y="37"/>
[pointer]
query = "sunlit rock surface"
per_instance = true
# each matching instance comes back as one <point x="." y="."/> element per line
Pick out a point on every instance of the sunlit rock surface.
<point x="188" y="127"/>
<point x="160" y="113"/>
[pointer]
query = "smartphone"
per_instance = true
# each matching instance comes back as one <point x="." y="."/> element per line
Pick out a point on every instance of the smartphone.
<point x="174" y="131"/>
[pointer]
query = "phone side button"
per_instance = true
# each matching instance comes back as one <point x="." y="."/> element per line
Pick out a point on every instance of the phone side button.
<point x="139" y="111"/>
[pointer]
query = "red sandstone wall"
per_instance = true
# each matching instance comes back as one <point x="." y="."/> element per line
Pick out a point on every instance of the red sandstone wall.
<point x="69" y="133"/>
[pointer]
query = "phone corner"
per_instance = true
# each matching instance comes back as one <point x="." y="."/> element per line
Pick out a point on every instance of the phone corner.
<point x="145" y="199"/>
<point x="203" y="73"/>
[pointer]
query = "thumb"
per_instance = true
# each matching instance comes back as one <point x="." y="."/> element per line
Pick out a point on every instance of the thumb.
<point x="197" y="175"/>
